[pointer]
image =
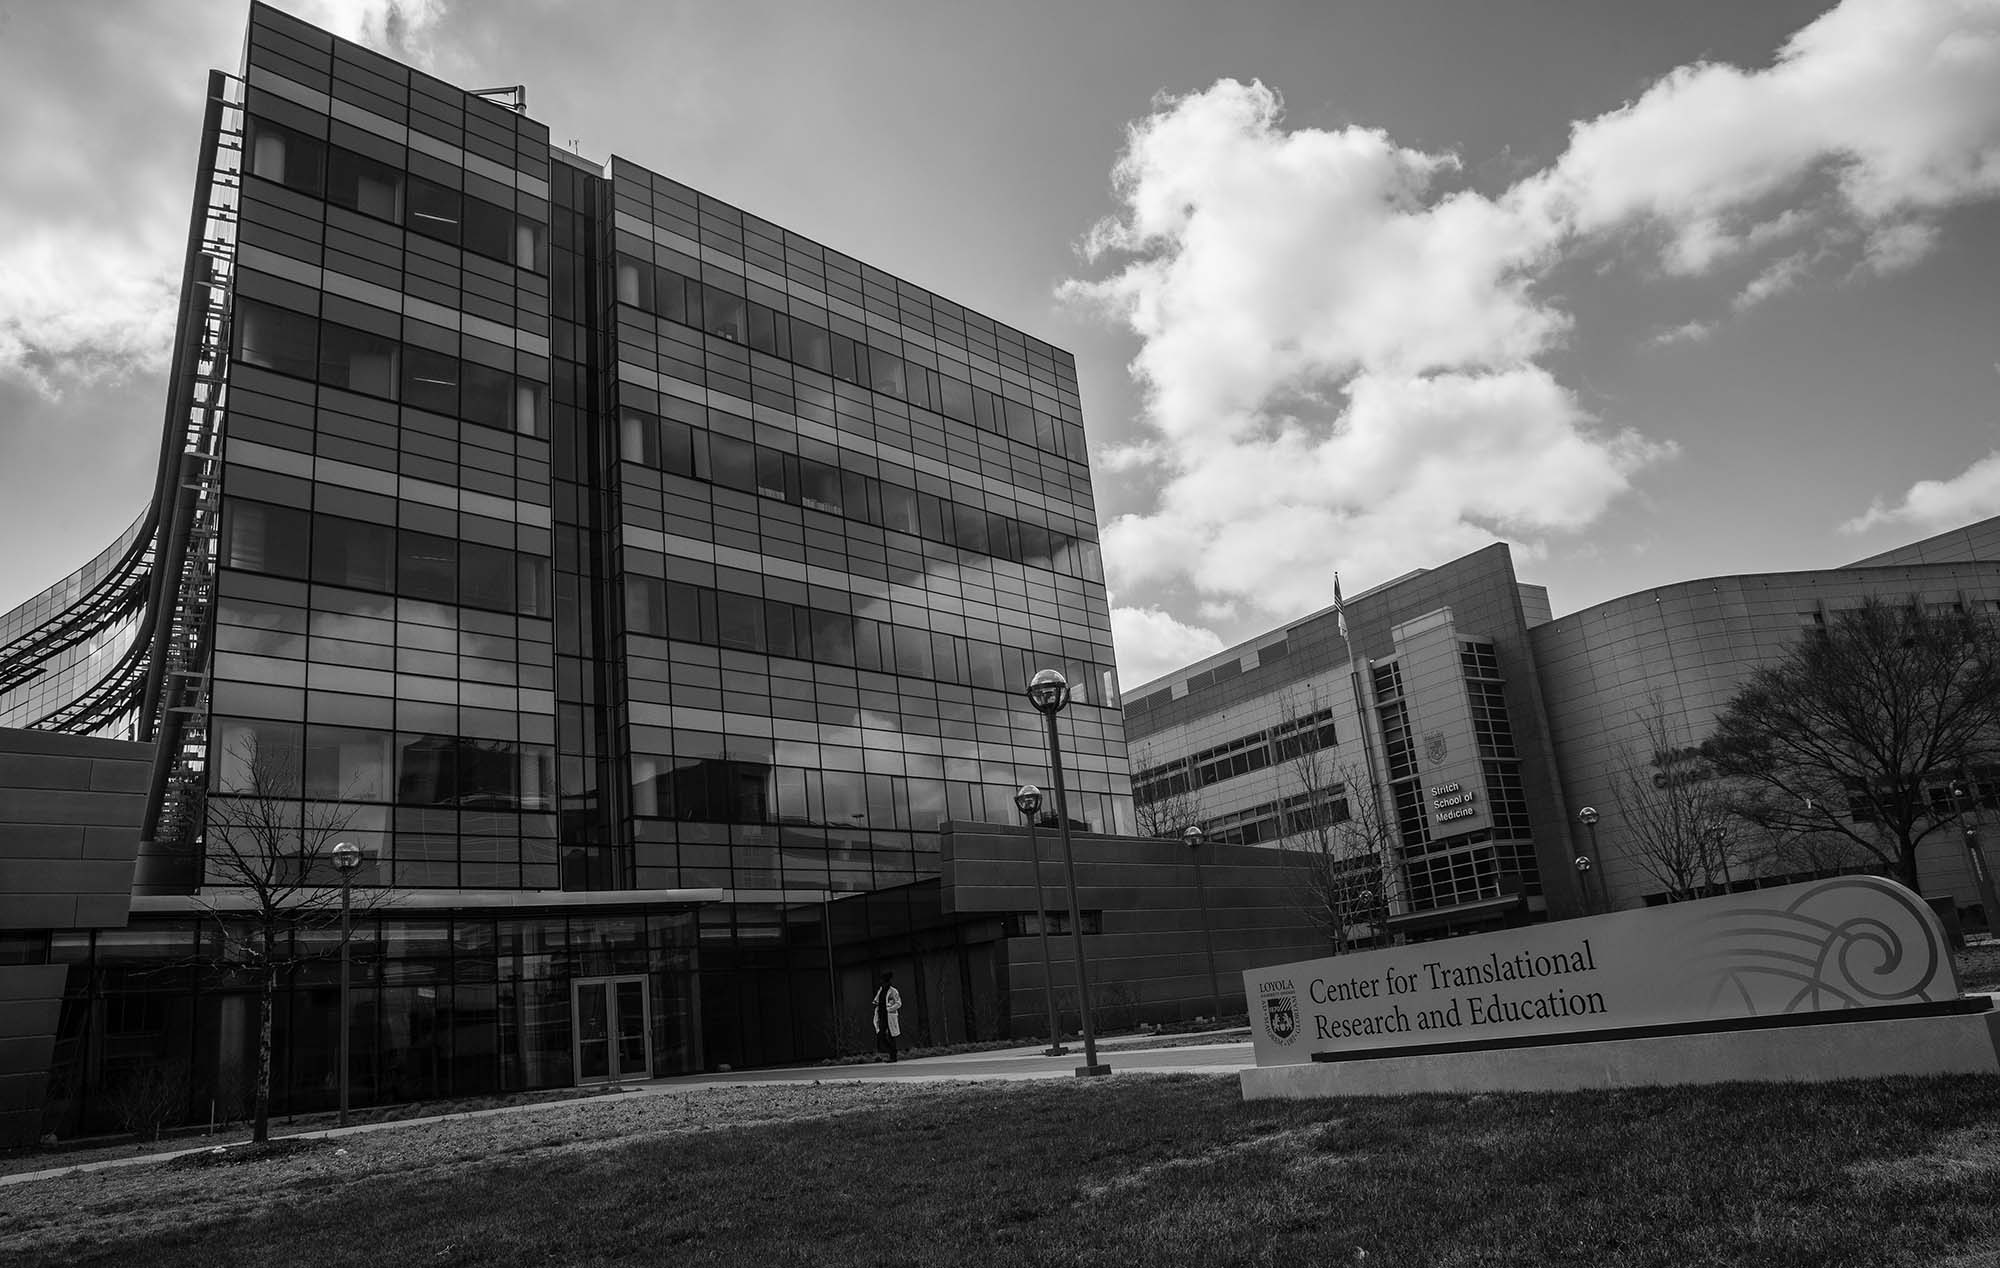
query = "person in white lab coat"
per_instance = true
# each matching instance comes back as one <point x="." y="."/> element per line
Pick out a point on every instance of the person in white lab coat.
<point x="888" y="1010"/>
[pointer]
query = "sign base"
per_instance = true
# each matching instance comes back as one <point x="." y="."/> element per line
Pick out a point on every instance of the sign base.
<point x="1949" y="1044"/>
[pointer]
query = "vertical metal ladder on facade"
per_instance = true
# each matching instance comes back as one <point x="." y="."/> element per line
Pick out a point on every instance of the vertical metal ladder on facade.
<point x="190" y="533"/>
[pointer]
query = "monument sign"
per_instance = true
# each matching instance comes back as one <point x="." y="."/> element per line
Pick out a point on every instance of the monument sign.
<point x="1837" y="945"/>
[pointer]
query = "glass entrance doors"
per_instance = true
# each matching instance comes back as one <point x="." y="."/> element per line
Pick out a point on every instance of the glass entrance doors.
<point x="612" y="1023"/>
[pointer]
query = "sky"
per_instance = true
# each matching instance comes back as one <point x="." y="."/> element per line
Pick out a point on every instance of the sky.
<point x="1650" y="292"/>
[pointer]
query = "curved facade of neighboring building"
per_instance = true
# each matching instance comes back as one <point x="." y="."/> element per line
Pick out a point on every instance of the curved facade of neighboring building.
<point x="1560" y="713"/>
<point x="1633" y="685"/>
<point x="75" y="638"/>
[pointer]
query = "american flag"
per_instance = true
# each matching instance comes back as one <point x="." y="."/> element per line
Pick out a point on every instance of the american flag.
<point x="1339" y="609"/>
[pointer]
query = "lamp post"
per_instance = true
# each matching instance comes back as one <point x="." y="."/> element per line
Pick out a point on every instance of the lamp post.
<point x="1584" y="862"/>
<point x="1049" y="693"/>
<point x="346" y="857"/>
<point x="1193" y="836"/>
<point x="1028" y="800"/>
<point x="1960" y="794"/>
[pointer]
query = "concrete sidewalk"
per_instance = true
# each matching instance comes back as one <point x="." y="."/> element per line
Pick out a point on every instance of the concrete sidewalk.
<point x="1125" y="1055"/>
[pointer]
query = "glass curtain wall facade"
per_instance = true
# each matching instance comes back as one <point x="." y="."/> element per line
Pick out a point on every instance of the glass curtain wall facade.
<point x="582" y="536"/>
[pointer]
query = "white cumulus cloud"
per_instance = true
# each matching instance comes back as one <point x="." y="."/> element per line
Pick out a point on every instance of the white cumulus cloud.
<point x="1344" y="353"/>
<point x="1152" y="642"/>
<point x="1972" y="494"/>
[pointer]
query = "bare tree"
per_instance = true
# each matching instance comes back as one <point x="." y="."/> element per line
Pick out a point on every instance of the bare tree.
<point x="268" y="875"/>
<point x="1167" y="805"/>
<point x="1672" y="807"/>
<point x="1342" y="843"/>
<point x="1861" y="729"/>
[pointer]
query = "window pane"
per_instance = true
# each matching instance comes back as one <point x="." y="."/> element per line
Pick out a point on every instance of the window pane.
<point x="430" y="381"/>
<point x="886" y="373"/>
<point x="362" y="184"/>
<point x="434" y="210"/>
<point x="426" y="769"/>
<point x="764" y="329"/>
<point x="353" y="553"/>
<point x="255" y="757"/>
<point x="261" y="537"/>
<point x="486" y="396"/>
<point x="676" y="447"/>
<point x="635" y="283"/>
<point x="531" y="585"/>
<point x="347" y="764"/>
<point x="530" y="412"/>
<point x="485" y="577"/>
<point x="957" y="402"/>
<point x="276" y="338"/>
<point x="358" y="360"/>
<point x="734" y="462"/>
<point x="671" y="295"/>
<point x="740" y="621"/>
<point x="427" y="567"/>
<point x="489" y="229"/>
<point x="725" y="314"/>
<point x="810" y="346"/>
<point x="645" y="605"/>
<point x="277" y="153"/>
<point x="819" y="486"/>
<point x="531" y="245"/>
<point x="899" y="508"/>
<point x="638" y="438"/>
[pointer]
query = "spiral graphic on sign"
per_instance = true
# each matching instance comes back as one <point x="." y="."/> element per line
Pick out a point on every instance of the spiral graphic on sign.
<point x="1838" y="945"/>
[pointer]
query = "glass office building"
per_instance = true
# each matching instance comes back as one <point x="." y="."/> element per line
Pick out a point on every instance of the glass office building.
<point x="642" y="584"/>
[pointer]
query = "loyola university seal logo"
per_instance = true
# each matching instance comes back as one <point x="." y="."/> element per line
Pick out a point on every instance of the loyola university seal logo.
<point x="1435" y="747"/>
<point x="1281" y="1010"/>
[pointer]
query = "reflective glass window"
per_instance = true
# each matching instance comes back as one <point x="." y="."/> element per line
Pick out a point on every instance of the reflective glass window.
<point x="811" y="346"/>
<point x="261" y="537"/>
<point x="531" y="585"/>
<point x="531" y="245"/>
<point x="353" y="553"/>
<point x="426" y="769"/>
<point x="485" y="576"/>
<point x="366" y="185"/>
<point x="489" y="229"/>
<point x="255" y="756"/>
<point x="676" y="447"/>
<point x="645" y="605"/>
<point x="427" y="566"/>
<point x="276" y="338"/>
<point x="635" y="283"/>
<point x="724" y="313"/>
<point x="740" y="621"/>
<point x="486" y="396"/>
<point x="281" y="154"/>
<point x="734" y="462"/>
<point x="433" y="210"/>
<point x="348" y="764"/>
<point x="358" y="360"/>
<point x="430" y="380"/>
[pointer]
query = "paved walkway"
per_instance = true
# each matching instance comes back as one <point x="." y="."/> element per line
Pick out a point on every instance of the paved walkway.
<point x="1125" y="1054"/>
<point x="1129" y="1054"/>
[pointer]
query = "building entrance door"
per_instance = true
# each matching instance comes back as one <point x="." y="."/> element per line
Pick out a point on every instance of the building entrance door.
<point x="612" y="1021"/>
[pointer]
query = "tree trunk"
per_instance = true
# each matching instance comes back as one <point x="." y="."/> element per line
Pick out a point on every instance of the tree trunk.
<point x="266" y="998"/>
<point x="1906" y="866"/>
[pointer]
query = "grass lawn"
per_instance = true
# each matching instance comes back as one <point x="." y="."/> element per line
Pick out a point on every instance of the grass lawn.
<point x="1130" y="1172"/>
